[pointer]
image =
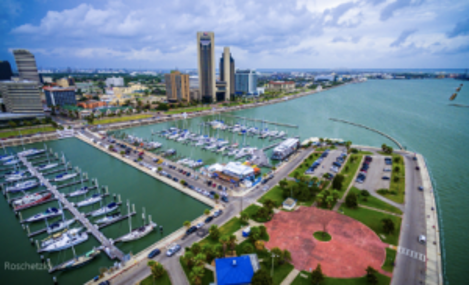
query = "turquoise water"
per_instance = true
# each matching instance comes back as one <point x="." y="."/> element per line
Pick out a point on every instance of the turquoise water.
<point x="168" y="207"/>
<point x="415" y="112"/>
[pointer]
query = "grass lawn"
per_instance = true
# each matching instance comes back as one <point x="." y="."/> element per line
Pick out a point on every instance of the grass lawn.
<point x="274" y="194"/>
<point x="251" y="210"/>
<point x="389" y="260"/>
<point x="364" y="152"/>
<point x="398" y="186"/>
<point x="280" y="272"/>
<point x="374" y="202"/>
<point x="164" y="280"/>
<point x="299" y="280"/>
<point x="27" y="132"/>
<point x="206" y="280"/>
<point x="305" y="164"/>
<point x="322" y="236"/>
<point x="226" y="230"/>
<point x="373" y="220"/>
<point x="179" y="111"/>
<point x="120" y="119"/>
<point x="348" y="170"/>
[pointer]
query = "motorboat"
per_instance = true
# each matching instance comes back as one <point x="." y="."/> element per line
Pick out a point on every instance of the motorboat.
<point x="55" y="237"/>
<point x="66" y="240"/>
<point x="30" y="200"/>
<point x="58" y="226"/>
<point x="77" y="261"/>
<point x="49" y="213"/>
<point x="212" y="146"/>
<point x="137" y="233"/>
<point x="7" y="157"/>
<point x="46" y="166"/>
<point x="89" y="201"/>
<point x="109" y="218"/>
<point x="11" y="162"/>
<point x="31" y="152"/>
<point x="79" y="192"/>
<point x="105" y="210"/>
<point x="22" y="186"/>
<point x="64" y="176"/>
<point x="15" y="177"/>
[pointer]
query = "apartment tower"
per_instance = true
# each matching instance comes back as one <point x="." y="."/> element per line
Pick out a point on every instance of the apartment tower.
<point x="206" y="65"/>
<point x="227" y="73"/>
<point x="26" y="64"/>
<point x="177" y="87"/>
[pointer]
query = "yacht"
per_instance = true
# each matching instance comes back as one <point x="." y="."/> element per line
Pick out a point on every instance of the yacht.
<point x="11" y="162"/>
<point x="137" y="233"/>
<point x="15" y="177"/>
<point x="58" y="226"/>
<point x="66" y="240"/>
<point x="77" y="261"/>
<point x="55" y="237"/>
<point x="30" y="200"/>
<point x="212" y="146"/>
<point x="49" y="213"/>
<point x="109" y="218"/>
<point x="78" y="192"/>
<point x="7" y="157"/>
<point x="92" y="200"/>
<point x="31" y="152"/>
<point x="64" y="176"/>
<point x="105" y="210"/>
<point x="47" y="166"/>
<point x="23" y="186"/>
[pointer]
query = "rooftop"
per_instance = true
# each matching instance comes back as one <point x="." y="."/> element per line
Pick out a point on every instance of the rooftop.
<point x="235" y="270"/>
<point x="58" y="88"/>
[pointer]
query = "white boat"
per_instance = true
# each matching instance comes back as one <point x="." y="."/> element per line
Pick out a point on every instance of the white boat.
<point x="67" y="240"/>
<point x="31" y="152"/>
<point x="64" y="176"/>
<point x="30" y="200"/>
<point x="212" y="146"/>
<point x="23" y="186"/>
<point x="77" y="261"/>
<point x="79" y="192"/>
<point x="92" y="200"/>
<point x="15" y="177"/>
<point x="7" y="157"/>
<point x="15" y="173"/>
<point x="11" y="162"/>
<point x="105" y="210"/>
<point x="137" y="233"/>
<point x="49" y="213"/>
<point x="47" y="166"/>
<point x="108" y="218"/>
<point x="58" y="226"/>
<point x="200" y="143"/>
<point x="55" y="237"/>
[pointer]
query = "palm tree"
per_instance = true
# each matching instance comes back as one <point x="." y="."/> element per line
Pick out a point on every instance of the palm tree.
<point x="348" y="145"/>
<point x="223" y="240"/>
<point x="244" y="217"/>
<point x="189" y="258"/>
<point x="200" y="259"/>
<point x="286" y="256"/>
<point x="207" y="212"/>
<point x="232" y="240"/>
<point x="216" y="197"/>
<point x="156" y="268"/>
<point x="196" y="275"/>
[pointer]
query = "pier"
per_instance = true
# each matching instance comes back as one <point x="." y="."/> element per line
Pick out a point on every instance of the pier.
<point x="264" y="121"/>
<point x="117" y="220"/>
<point x="371" y="129"/>
<point x="112" y="251"/>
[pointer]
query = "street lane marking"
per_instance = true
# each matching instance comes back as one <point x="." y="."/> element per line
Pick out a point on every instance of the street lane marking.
<point x="411" y="253"/>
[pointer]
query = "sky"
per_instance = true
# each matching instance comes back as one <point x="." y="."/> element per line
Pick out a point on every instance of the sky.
<point x="154" y="34"/>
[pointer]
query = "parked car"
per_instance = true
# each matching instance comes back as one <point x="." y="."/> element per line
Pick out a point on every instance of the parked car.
<point x="387" y="169"/>
<point x="200" y="225"/>
<point x="191" y="187"/>
<point x="334" y="169"/>
<point x="188" y="174"/>
<point x="385" y="178"/>
<point x="191" y="230"/>
<point x="175" y="179"/>
<point x="154" y="253"/>
<point x="417" y="167"/>
<point x="422" y="239"/>
<point x="217" y="213"/>
<point x="172" y="250"/>
<point x="208" y="219"/>
<point x="224" y="198"/>
<point x="420" y="188"/>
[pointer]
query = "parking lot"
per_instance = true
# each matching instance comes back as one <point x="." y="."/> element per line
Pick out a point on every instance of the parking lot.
<point x="325" y="165"/>
<point x="374" y="175"/>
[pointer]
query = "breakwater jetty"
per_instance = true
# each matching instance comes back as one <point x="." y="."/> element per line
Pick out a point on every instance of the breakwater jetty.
<point x="371" y="129"/>
<point x="264" y="121"/>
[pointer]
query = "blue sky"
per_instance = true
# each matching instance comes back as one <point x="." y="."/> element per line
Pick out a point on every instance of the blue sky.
<point x="262" y="34"/>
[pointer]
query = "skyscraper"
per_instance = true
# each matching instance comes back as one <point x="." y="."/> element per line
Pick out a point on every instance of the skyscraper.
<point x="206" y="65"/>
<point x="246" y="82"/>
<point x="228" y="69"/>
<point x="20" y="96"/>
<point x="177" y="87"/>
<point x="26" y="64"/>
<point x="5" y="70"/>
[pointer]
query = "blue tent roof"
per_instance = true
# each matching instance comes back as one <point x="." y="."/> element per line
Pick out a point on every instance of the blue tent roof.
<point x="229" y="273"/>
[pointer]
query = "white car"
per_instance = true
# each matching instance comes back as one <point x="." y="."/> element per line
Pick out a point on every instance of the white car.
<point x="200" y="225"/>
<point x="334" y="169"/>
<point x="387" y="169"/>
<point x="422" y="239"/>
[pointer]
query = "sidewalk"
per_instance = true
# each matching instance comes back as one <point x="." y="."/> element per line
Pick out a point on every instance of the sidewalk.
<point x="290" y="278"/>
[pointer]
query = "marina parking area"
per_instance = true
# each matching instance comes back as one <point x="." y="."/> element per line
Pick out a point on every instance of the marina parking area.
<point x="374" y="177"/>
<point x="326" y="164"/>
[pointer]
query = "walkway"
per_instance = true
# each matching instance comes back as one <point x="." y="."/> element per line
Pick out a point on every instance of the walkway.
<point x="341" y="201"/>
<point x="290" y="278"/>
<point x="378" y="210"/>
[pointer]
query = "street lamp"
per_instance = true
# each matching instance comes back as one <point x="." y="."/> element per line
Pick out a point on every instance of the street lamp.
<point x="272" y="267"/>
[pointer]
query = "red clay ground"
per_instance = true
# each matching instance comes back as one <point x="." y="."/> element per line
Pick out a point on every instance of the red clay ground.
<point x="353" y="246"/>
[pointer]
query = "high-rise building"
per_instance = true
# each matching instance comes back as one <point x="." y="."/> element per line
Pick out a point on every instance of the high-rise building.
<point x="206" y="65"/>
<point x="21" y="96"/>
<point x="26" y="64"/>
<point x="114" y="82"/>
<point x="177" y="87"/>
<point x="5" y="70"/>
<point x="227" y="72"/>
<point x="60" y="96"/>
<point x="246" y="82"/>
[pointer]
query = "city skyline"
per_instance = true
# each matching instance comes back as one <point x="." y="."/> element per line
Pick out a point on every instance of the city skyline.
<point x="288" y="34"/>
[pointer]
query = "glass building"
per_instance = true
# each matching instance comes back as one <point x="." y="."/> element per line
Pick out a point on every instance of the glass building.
<point x="246" y="82"/>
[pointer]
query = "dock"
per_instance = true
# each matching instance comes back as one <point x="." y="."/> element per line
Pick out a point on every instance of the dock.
<point x="264" y="121"/>
<point x="118" y="220"/>
<point x="112" y="251"/>
<point x="371" y="129"/>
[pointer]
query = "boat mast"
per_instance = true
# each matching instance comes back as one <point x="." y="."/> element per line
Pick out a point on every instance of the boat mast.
<point x="129" y="214"/>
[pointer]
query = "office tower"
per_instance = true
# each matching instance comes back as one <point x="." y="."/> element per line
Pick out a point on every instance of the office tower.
<point x="246" y="82"/>
<point x="229" y="69"/>
<point x="206" y="65"/>
<point x="177" y="87"/>
<point x="60" y="96"/>
<point x="26" y="64"/>
<point x="5" y="70"/>
<point x="21" y="96"/>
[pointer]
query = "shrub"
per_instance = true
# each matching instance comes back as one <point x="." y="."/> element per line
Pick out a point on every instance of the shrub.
<point x="248" y="248"/>
<point x="354" y="150"/>
<point x="365" y="193"/>
<point x="351" y="200"/>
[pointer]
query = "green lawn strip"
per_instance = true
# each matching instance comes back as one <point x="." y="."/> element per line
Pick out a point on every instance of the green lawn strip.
<point x="364" y="152"/>
<point x="305" y="164"/>
<point x="120" y="119"/>
<point x="24" y="132"/>
<point x="280" y="272"/>
<point x="226" y="230"/>
<point x="164" y="280"/>
<point x="322" y="236"/>
<point x="274" y="194"/>
<point x="373" y="220"/>
<point x="208" y="274"/>
<point x="374" y="202"/>
<point x="389" y="260"/>
<point x="179" y="111"/>
<point x="398" y="186"/>
<point x="349" y="170"/>
<point x="299" y="280"/>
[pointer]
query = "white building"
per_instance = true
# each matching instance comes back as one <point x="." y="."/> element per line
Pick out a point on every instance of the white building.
<point x="115" y="82"/>
<point x="285" y="148"/>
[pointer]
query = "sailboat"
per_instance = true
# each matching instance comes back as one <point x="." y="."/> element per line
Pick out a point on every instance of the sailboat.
<point x="105" y="210"/>
<point x="48" y="213"/>
<point x="109" y="218"/>
<point x="81" y="191"/>
<point x="77" y="261"/>
<point x="58" y="226"/>
<point x="136" y="233"/>
<point x="92" y="200"/>
<point x="22" y="186"/>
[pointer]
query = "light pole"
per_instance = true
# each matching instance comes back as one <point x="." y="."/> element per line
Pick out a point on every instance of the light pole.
<point x="272" y="267"/>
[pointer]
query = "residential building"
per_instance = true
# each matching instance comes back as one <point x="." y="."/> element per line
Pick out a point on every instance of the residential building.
<point x="133" y="88"/>
<point x="227" y="72"/>
<point x="26" y="64"/>
<point x="206" y="65"/>
<point x="236" y="270"/>
<point x="66" y="82"/>
<point x="60" y="96"/>
<point x="91" y="104"/>
<point x="246" y="82"/>
<point x="21" y="96"/>
<point x="87" y="87"/>
<point x="286" y="86"/>
<point x="177" y="87"/>
<point x="195" y="94"/>
<point x="193" y="81"/>
<point x="5" y="70"/>
<point x="115" y="82"/>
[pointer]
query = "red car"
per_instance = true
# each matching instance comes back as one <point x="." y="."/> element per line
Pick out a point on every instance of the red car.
<point x="213" y="185"/>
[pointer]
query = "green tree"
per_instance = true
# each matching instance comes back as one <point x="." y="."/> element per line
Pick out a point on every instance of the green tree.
<point x="254" y="234"/>
<point x="207" y="212"/>
<point x="224" y="240"/>
<point x="269" y="203"/>
<point x="317" y="275"/>
<point x="388" y="225"/>
<point x="244" y="217"/>
<point x="320" y="198"/>
<point x="182" y="182"/>
<point x="208" y="250"/>
<point x="330" y="200"/>
<point x="214" y="232"/>
<point x="196" y="275"/>
<point x="216" y="197"/>
<point x="335" y="194"/>
<point x="218" y="250"/>
<point x="196" y="248"/>
<point x="338" y="181"/>
<point x="200" y="259"/>
<point x="351" y="200"/>
<point x="156" y="269"/>
<point x="188" y="258"/>
<point x="278" y="255"/>
<point x="248" y="248"/>
<point x="348" y="145"/>
<point x="286" y="256"/>
<point x="371" y="276"/>
<point x="232" y="239"/>
<point x="187" y="224"/>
